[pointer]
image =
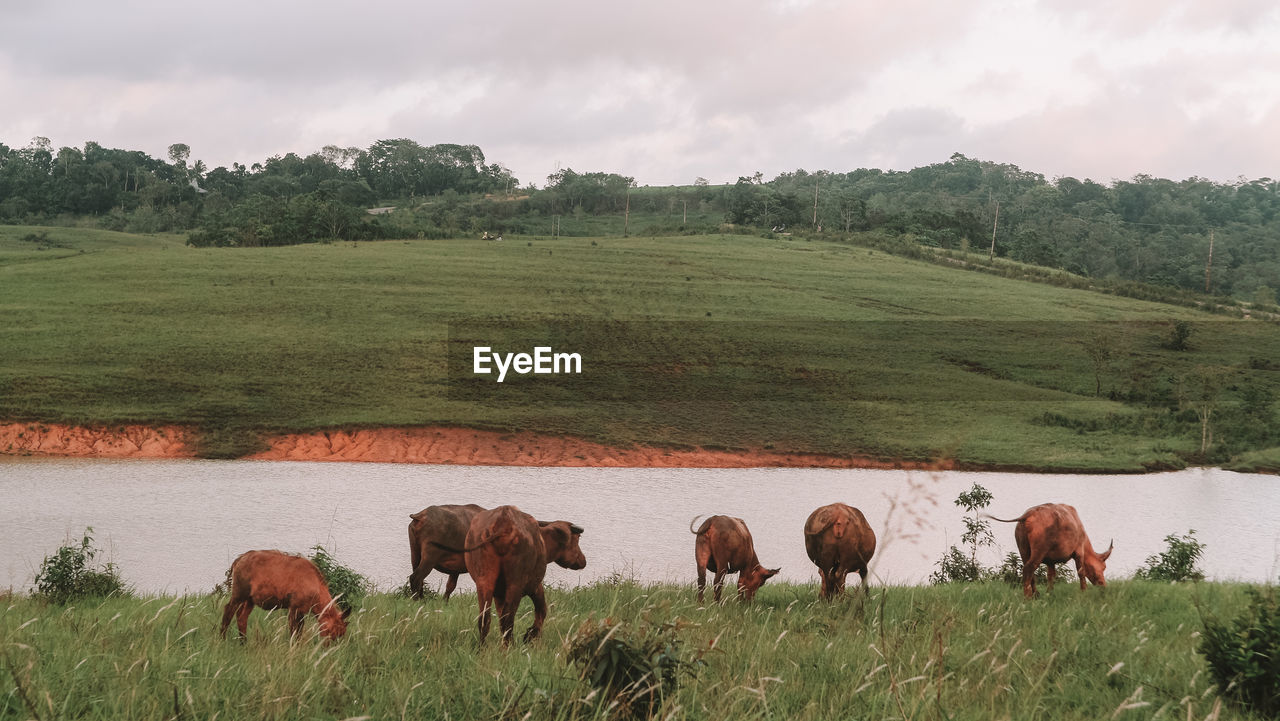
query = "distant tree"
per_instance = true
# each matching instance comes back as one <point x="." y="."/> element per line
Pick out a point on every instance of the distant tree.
<point x="1201" y="391"/>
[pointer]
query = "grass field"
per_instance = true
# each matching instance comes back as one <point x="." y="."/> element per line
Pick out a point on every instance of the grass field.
<point x="721" y="341"/>
<point x="953" y="652"/>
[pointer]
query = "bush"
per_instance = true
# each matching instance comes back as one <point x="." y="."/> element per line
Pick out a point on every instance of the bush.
<point x="347" y="586"/>
<point x="633" y="670"/>
<point x="1244" y="655"/>
<point x="954" y="565"/>
<point x="1179" y="336"/>
<point x="1177" y="563"/>
<point x="68" y="576"/>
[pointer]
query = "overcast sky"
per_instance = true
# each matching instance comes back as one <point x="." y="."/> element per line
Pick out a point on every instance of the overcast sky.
<point x="662" y="90"/>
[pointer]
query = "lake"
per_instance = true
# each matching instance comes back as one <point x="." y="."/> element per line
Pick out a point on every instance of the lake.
<point x="176" y="525"/>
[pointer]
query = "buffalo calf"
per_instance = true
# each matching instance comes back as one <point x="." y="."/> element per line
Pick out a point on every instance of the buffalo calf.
<point x="724" y="545"/>
<point x="273" y="579"/>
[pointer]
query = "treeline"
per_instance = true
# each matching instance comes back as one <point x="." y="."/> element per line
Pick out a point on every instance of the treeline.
<point x="1146" y="230"/>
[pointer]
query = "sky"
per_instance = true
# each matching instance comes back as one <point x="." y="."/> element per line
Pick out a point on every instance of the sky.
<point x="664" y="91"/>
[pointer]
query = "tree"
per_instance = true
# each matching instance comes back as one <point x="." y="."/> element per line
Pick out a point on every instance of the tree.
<point x="178" y="154"/>
<point x="1102" y="348"/>
<point x="1201" y="391"/>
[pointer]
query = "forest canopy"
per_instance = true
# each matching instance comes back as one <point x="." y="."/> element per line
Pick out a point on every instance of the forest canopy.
<point x="1144" y="229"/>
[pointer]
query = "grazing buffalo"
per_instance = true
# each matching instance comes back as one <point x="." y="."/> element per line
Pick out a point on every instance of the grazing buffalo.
<point x="839" y="540"/>
<point x="724" y="545"/>
<point x="1052" y="533"/>
<point x="436" y="534"/>
<point x="273" y="579"/>
<point x="507" y="552"/>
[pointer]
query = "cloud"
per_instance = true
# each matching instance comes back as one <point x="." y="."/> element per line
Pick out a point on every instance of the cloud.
<point x="665" y="91"/>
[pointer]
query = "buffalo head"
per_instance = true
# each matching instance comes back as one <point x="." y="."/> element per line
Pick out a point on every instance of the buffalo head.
<point x="561" y="541"/>
<point x="750" y="580"/>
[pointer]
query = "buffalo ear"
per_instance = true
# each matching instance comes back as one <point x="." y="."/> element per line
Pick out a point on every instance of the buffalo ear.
<point x="575" y="528"/>
<point x="346" y="612"/>
<point x="543" y="524"/>
<point x="771" y="572"/>
<point x="1107" y="555"/>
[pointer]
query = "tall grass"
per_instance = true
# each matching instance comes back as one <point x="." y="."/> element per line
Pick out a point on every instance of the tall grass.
<point x="971" y="651"/>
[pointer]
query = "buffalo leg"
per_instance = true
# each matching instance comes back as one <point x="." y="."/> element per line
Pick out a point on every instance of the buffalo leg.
<point x="539" y="596"/>
<point x="242" y="619"/>
<point x="227" y="613"/>
<point x="1051" y="574"/>
<point x="508" y="604"/>
<point x="296" y="617"/>
<point x="416" y="579"/>
<point x="717" y="584"/>
<point x="485" y="597"/>
<point x="1029" y="566"/>
<point x="825" y="575"/>
<point x="452" y="584"/>
<point x="702" y="554"/>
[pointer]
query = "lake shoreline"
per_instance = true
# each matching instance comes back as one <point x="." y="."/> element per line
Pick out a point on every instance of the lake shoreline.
<point x="446" y="445"/>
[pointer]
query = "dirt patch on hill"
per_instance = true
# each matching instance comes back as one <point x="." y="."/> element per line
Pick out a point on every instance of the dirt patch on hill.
<point x="435" y="445"/>
<point x="49" y="439"/>
<point x="466" y="446"/>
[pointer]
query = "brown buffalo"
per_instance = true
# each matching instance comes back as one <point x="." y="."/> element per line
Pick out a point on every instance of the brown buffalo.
<point x="435" y="535"/>
<point x="724" y="545"/>
<point x="1052" y="533"/>
<point x="838" y="540"/>
<point x="507" y="552"/>
<point x="273" y="579"/>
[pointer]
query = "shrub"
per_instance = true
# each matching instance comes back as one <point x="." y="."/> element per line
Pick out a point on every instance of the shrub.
<point x="1179" y="336"/>
<point x="954" y="565"/>
<point x="68" y="575"/>
<point x="347" y="586"/>
<point x="1177" y="563"/>
<point x="633" y="670"/>
<point x="1244" y="655"/>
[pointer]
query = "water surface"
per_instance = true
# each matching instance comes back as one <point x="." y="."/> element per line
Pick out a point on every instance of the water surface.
<point x="176" y="525"/>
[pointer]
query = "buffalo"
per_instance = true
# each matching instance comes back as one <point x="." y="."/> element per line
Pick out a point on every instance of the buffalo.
<point x="435" y="535"/>
<point x="507" y="552"/>
<point x="274" y="579"/>
<point x="1052" y="533"/>
<point x="839" y="540"/>
<point x="724" y="545"/>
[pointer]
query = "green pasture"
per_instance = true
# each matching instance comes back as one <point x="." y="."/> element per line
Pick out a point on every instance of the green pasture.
<point x="954" y="652"/>
<point x="721" y="341"/>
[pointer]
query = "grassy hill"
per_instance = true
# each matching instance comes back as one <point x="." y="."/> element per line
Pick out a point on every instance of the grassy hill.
<point x="725" y="341"/>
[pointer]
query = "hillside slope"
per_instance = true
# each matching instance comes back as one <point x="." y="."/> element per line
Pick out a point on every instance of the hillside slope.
<point x="709" y="341"/>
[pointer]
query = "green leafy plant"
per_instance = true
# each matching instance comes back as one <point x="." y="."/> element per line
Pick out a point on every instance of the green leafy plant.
<point x="1177" y="562"/>
<point x="632" y="669"/>
<point x="69" y="575"/>
<point x="1179" y="336"/>
<point x="955" y="565"/>
<point x="1244" y="654"/>
<point x="347" y="586"/>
